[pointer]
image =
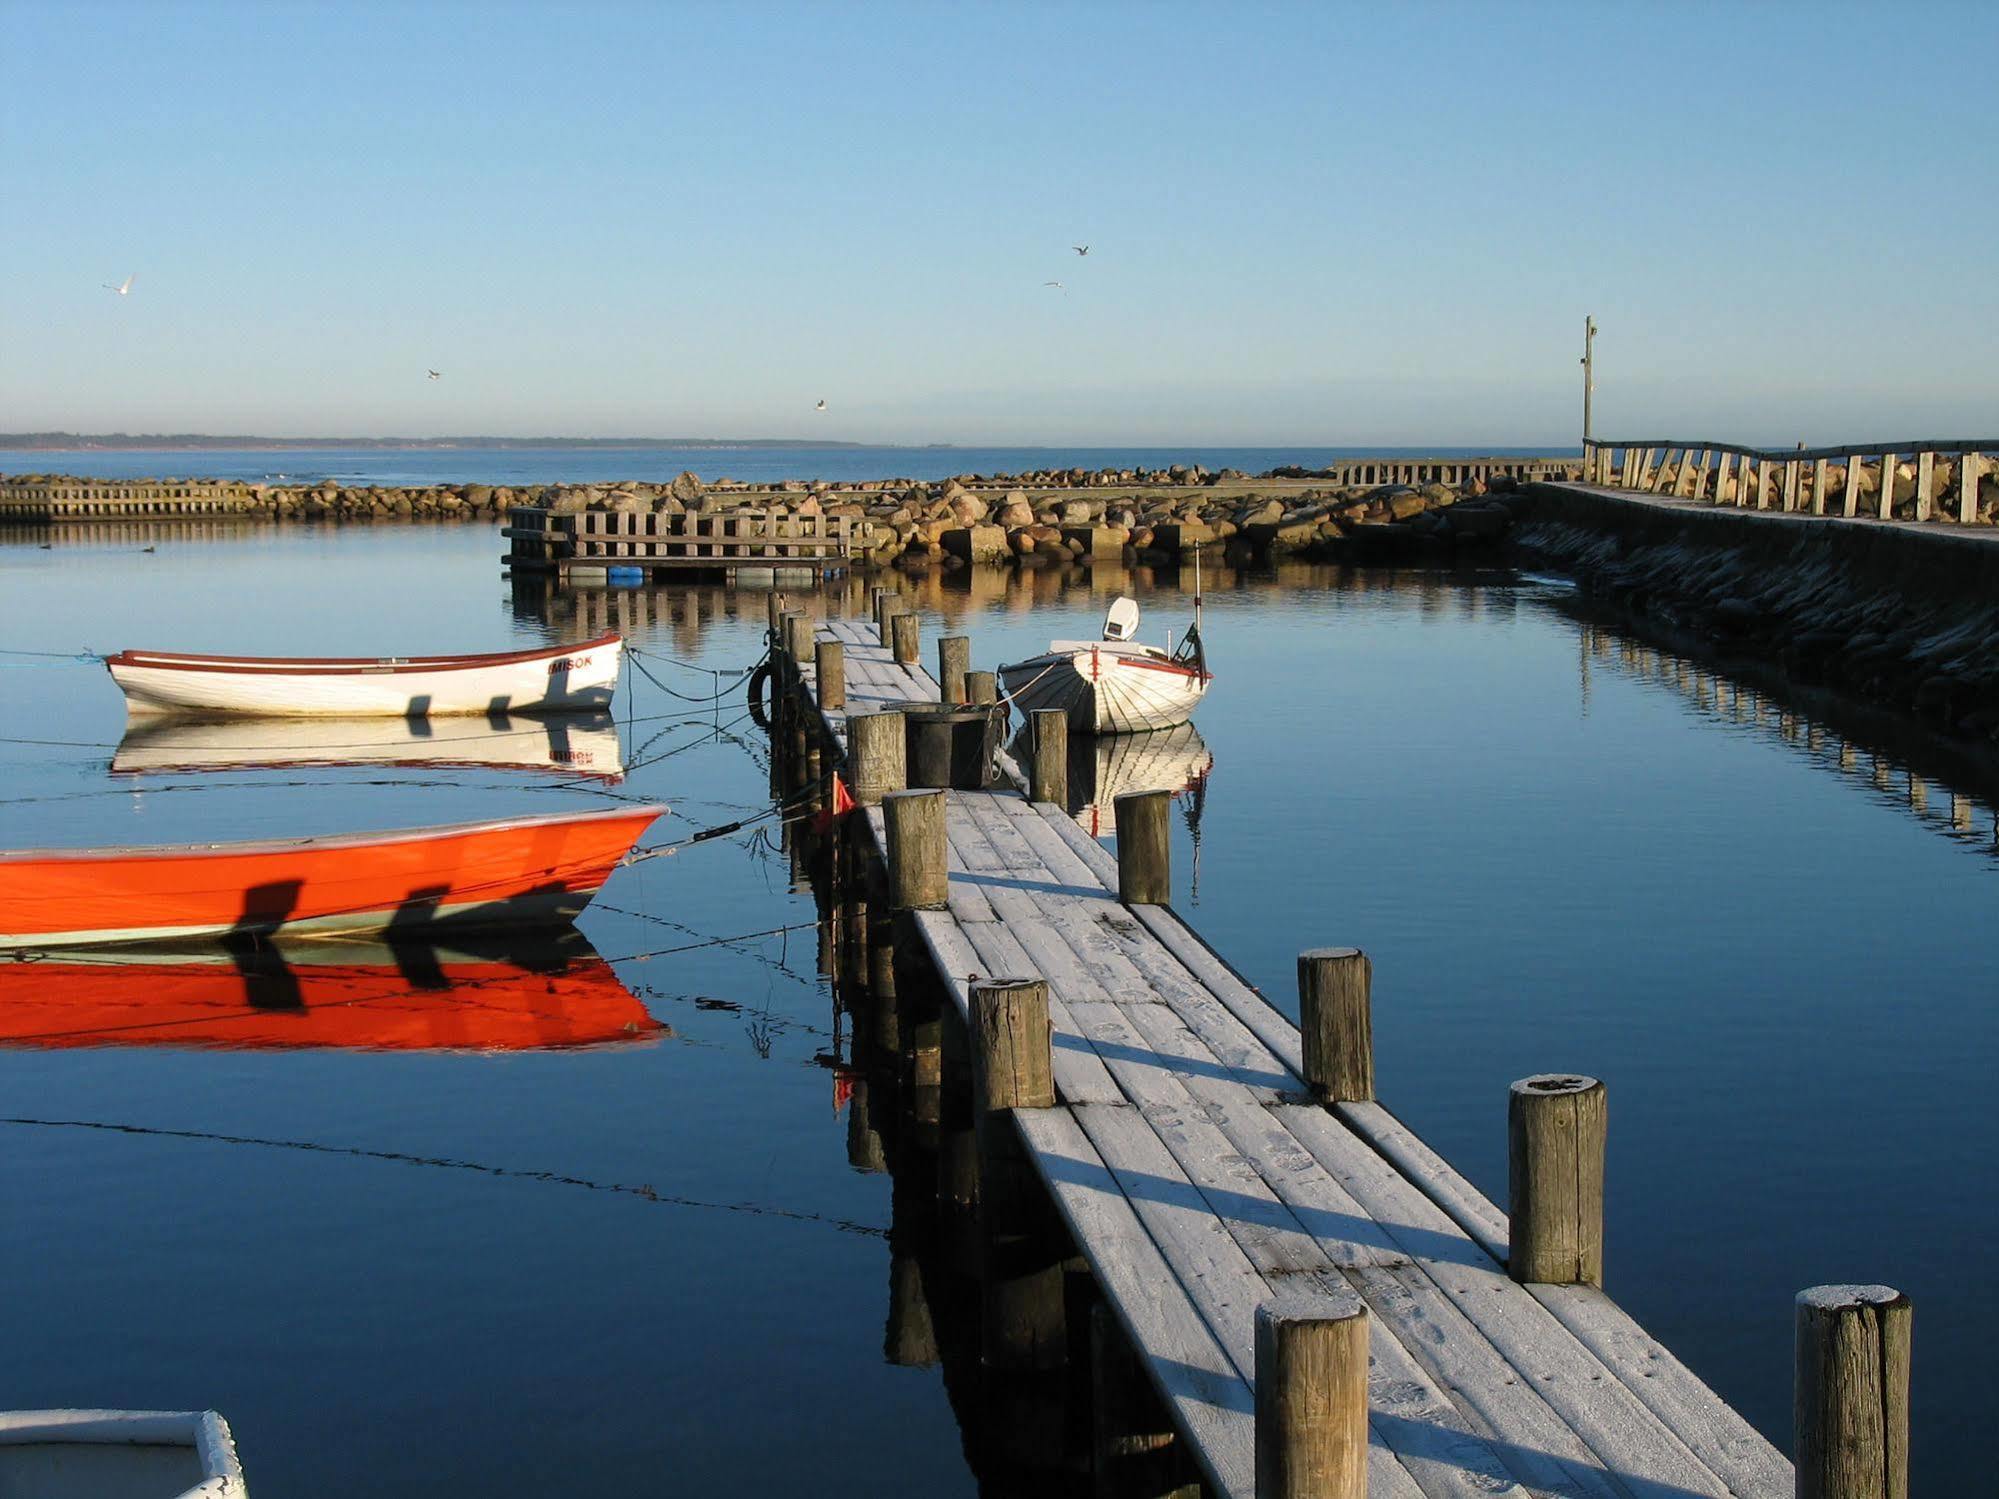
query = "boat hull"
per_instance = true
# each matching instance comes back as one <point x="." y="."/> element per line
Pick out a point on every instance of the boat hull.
<point x="571" y="744"/>
<point x="1106" y="691"/>
<point x="526" y="871"/>
<point x="90" y="1454"/>
<point x="557" y="679"/>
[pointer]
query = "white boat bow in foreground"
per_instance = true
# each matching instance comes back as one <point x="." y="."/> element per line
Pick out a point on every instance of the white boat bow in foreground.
<point x="87" y="1454"/>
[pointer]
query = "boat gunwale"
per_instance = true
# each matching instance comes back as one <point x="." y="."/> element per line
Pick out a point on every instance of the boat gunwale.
<point x="1148" y="662"/>
<point x="323" y="666"/>
<point x="649" y="811"/>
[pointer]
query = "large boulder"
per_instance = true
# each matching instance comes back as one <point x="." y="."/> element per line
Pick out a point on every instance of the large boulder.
<point x="686" y="488"/>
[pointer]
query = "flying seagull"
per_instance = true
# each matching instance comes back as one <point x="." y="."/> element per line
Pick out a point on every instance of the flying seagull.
<point x="435" y="374"/>
<point x="1080" y="249"/>
<point x="1056" y="284"/>
<point x="820" y="407"/>
<point x="122" y="291"/>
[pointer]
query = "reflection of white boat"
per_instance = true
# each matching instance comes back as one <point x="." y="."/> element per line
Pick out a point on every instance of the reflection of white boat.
<point x="573" y="743"/>
<point x="1174" y="760"/>
<point x="118" y="1455"/>
<point x="1114" y="685"/>
<point x="549" y="679"/>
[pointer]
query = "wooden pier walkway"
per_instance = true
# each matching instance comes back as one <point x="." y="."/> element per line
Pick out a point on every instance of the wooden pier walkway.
<point x="1197" y="1174"/>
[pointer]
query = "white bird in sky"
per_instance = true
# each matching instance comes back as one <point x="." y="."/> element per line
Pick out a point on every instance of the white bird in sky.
<point x="1080" y="249"/>
<point x="1056" y="284"/>
<point x="820" y="407"/>
<point x="122" y="291"/>
<point x="435" y="374"/>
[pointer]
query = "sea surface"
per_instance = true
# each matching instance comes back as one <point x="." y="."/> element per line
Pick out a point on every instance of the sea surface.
<point x="411" y="467"/>
<point x="655" y="1258"/>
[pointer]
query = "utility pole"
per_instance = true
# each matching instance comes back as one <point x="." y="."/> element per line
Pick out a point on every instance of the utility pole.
<point x="1589" y="371"/>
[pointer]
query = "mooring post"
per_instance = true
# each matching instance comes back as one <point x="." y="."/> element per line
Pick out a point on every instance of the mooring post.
<point x="1337" y="1022"/>
<point x="798" y="637"/>
<point x="1969" y="467"/>
<point x="1012" y="1069"/>
<point x="1048" y="777"/>
<point x="954" y="659"/>
<point x="1851" y="1404"/>
<point x="981" y="689"/>
<point x="877" y="756"/>
<point x="829" y="663"/>
<point x="918" y="874"/>
<point x="1555" y="1127"/>
<point x="1311" y="1398"/>
<point x="905" y="637"/>
<point x="1144" y="848"/>
<point x="774" y="616"/>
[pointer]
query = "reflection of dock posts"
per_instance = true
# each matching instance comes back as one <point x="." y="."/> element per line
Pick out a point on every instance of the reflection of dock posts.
<point x="909" y="1340"/>
<point x="1134" y="1449"/>
<point x="865" y="1151"/>
<point x="1555" y="1127"/>
<point x="1851" y="1401"/>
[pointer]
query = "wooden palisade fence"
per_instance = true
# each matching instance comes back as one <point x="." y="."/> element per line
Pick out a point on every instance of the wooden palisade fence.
<point x="1925" y="480"/>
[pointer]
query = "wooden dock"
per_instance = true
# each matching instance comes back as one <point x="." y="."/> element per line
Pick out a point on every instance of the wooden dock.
<point x="1202" y="1176"/>
<point x="584" y="545"/>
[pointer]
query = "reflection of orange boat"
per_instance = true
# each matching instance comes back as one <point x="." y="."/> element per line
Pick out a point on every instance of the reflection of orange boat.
<point x="521" y="870"/>
<point x="334" y="994"/>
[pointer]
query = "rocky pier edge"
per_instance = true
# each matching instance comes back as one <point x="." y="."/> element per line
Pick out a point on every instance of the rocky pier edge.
<point x="1904" y="617"/>
<point x="1030" y="519"/>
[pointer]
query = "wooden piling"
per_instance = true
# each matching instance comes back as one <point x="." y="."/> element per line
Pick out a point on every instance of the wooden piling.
<point x="877" y="756"/>
<point x="1851" y="1401"/>
<point x="1048" y="777"/>
<point x="1850" y="502"/>
<point x="1013" y="1068"/>
<point x="918" y="876"/>
<point x="1926" y="468"/>
<point x="798" y="636"/>
<point x="1969" y="467"/>
<point x="1555" y="1127"/>
<point x="905" y="632"/>
<point x="1144" y="848"/>
<point x="954" y="659"/>
<point x="981" y="689"/>
<point x="1311" y="1398"/>
<point x="774" y="616"/>
<point x="1336" y="1021"/>
<point x="829" y="663"/>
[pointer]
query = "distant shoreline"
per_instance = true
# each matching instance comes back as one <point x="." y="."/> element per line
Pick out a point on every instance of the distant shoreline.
<point x="194" y="442"/>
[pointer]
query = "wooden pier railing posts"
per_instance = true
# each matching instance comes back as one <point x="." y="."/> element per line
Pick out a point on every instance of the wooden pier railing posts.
<point x="1336" y="1020"/>
<point x="1175" y="1141"/>
<point x="1144" y="848"/>
<point x="954" y="659"/>
<point x="905" y="630"/>
<point x="1049" y="778"/>
<point x="1555" y="1127"/>
<point x="1928" y="479"/>
<point x="1852" y="1402"/>
<point x="1311" y="1398"/>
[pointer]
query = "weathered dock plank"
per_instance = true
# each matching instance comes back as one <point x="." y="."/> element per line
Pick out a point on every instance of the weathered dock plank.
<point x="1200" y="1180"/>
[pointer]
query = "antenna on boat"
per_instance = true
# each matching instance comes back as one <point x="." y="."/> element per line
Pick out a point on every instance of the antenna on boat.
<point x="1197" y="587"/>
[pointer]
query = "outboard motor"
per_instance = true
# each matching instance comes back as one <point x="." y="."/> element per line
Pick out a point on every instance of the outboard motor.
<point x="1121" y="622"/>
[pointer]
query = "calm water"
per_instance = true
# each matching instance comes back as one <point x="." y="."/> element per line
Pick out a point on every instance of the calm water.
<point x="1561" y="850"/>
<point x="573" y="465"/>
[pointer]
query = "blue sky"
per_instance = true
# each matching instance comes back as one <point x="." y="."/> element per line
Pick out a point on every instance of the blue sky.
<point x="1309" y="223"/>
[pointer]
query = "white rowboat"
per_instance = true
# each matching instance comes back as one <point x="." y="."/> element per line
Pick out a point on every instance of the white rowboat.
<point x="550" y="679"/>
<point x="118" y="1455"/>
<point x="1113" y="685"/>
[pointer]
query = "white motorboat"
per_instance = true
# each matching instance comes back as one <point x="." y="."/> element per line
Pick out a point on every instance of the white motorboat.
<point x="548" y="679"/>
<point x="107" y="1454"/>
<point x="1114" y="685"/>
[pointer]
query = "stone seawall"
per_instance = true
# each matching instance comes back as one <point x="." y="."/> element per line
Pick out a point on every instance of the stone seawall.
<point x="1903" y="615"/>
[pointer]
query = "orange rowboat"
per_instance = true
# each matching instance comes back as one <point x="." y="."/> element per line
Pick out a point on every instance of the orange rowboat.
<point x="321" y="994"/>
<point x="532" y="871"/>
